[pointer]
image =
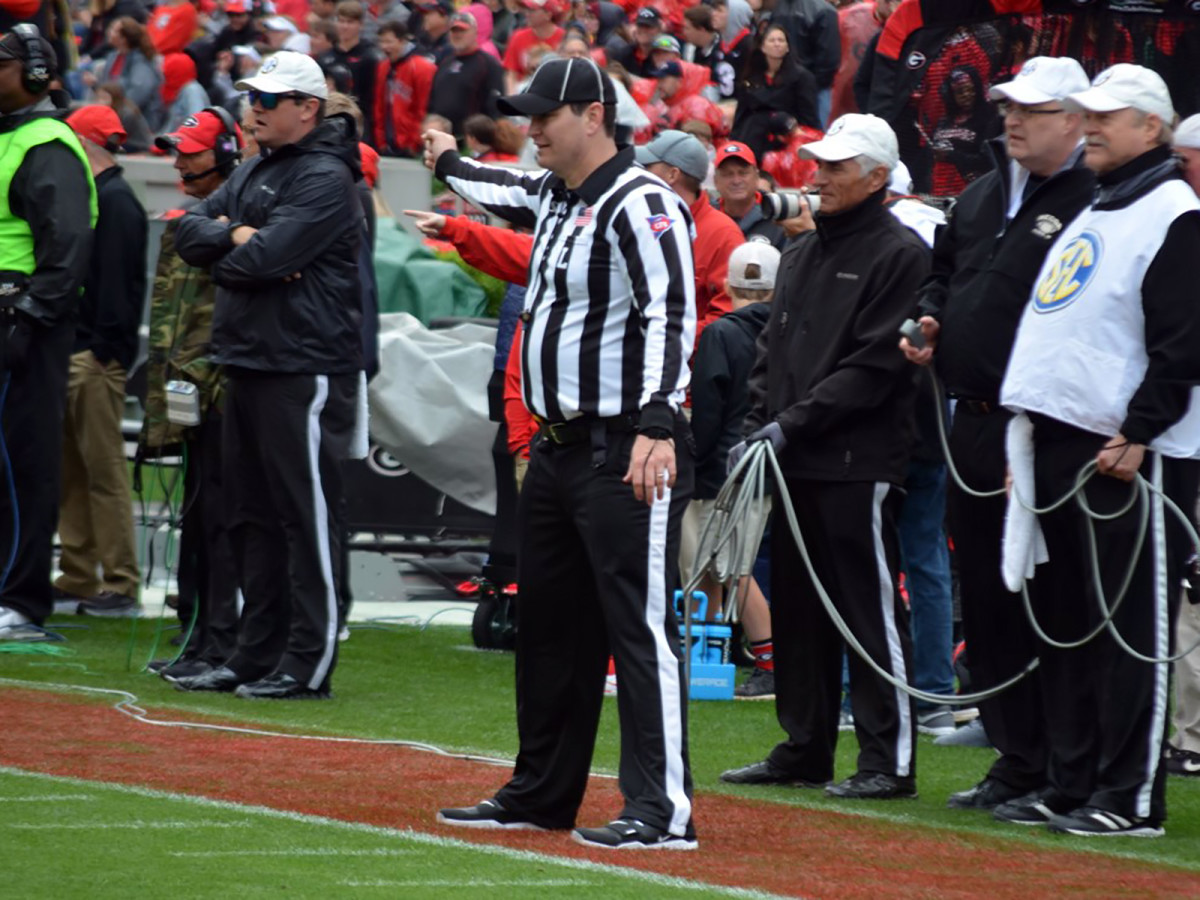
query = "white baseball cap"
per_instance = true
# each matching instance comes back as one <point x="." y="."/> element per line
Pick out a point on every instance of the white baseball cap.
<point x="1188" y="133"/>
<point x="756" y="253"/>
<point x="288" y="71"/>
<point x="279" y="23"/>
<point x="856" y="134"/>
<point x="1043" y="79"/>
<point x="1126" y="86"/>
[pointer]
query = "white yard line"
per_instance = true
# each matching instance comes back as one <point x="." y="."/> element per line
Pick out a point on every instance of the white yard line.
<point x="48" y="798"/>
<point x="136" y="824"/>
<point x="417" y="837"/>
<point x="294" y="851"/>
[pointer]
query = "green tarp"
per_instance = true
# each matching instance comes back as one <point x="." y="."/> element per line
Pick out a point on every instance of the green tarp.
<point x="412" y="279"/>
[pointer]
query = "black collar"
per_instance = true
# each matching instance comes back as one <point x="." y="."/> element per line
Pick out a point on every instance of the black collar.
<point x="832" y="227"/>
<point x="599" y="181"/>
<point x="1139" y="176"/>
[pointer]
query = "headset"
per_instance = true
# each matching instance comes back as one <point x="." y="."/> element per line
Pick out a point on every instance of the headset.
<point x="36" y="66"/>
<point x="228" y="148"/>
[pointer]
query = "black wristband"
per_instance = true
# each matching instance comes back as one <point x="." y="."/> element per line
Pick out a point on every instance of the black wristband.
<point x="656" y="433"/>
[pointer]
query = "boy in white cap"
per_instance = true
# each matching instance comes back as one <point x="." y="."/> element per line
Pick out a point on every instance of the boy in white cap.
<point x="985" y="263"/>
<point x="1102" y="371"/>
<point x="835" y="400"/>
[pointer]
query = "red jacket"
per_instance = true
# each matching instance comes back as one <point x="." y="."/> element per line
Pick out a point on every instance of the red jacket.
<point x="694" y="106"/>
<point x="171" y="28"/>
<point x="498" y="252"/>
<point x="717" y="236"/>
<point x="402" y="97"/>
<point x="520" y="421"/>
<point x="785" y="164"/>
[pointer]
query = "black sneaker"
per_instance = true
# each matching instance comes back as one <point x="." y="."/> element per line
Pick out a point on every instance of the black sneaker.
<point x="988" y="794"/>
<point x="874" y="786"/>
<point x="110" y="604"/>
<point x="1181" y="762"/>
<point x="1037" y="808"/>
<point x="281" y="686"/>
<point x="938" y="721"/>
<point x="1090" y="821"/>
<point x="634" y="834"/>
<point x="759" y="686"/>
<point x="766" y="773"/>
<point x="184" y="667"/>
<point x="485" y="814"/>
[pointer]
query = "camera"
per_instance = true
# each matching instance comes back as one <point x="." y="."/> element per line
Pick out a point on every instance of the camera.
<point x="788" y="204"/>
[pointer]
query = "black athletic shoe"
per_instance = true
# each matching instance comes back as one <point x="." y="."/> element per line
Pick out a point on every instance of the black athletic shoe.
<point x="280" y="686"/>
<point x="184" y="667"/>
<point x="874" y="786"/>
<point x="1090" y="821"/>
<point x="485" y="814"/>
<point x="988" y="794"/>
<point x="221" y="678"/>
<point x="1037" y="808"/>
<point x="634" y="834"/>
<point x="759" y="686"/>
<point x="765" y="773"/>
<point x="110" y="604"/>
<point x="1181" y="762"/>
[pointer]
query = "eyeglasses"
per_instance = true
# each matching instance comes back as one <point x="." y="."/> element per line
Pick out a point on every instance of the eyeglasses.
<point x="1017" y="111"/>
<point x="270" y="101"/>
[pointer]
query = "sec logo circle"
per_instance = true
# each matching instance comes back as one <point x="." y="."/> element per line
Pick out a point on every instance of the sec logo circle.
<point x="1070" y="274"/>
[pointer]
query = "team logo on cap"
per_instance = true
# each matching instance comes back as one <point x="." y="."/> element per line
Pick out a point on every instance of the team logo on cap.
<point x="1070" y="274"/>
<point x="659" y="225"/>
<point x="733" y="148"/>
<point x="190" y="122"/>
<point x="270" y="65"/>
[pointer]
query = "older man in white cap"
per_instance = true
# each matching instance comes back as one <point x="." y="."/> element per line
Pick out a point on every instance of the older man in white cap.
<point x="835" y="399"/>
<point x="1102" y="373"/>
<point x="282" y="238"/>
<point x="984" y="265"/>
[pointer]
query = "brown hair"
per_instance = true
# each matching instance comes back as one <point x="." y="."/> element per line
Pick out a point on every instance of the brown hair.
<point x="350" y="9"/>
<point x="700" y="16"/>
<point x="136" y="36"/>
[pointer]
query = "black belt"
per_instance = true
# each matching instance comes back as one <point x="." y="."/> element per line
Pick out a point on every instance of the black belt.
<point x="578" y="430"/>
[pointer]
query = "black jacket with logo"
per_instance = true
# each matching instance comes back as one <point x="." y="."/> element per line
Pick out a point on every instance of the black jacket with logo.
<point x="828" y="368"/>
<point x="984" y="269"/>
<point x="303" y="202"/>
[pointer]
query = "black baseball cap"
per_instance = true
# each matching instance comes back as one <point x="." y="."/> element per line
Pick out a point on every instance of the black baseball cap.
<point x="12" y="46"/>
<point x="558" y="82"/>
<point x="648" y="15"/>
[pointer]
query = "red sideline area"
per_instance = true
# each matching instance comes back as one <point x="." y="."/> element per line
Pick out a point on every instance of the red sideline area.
<point x="744" y="843"/>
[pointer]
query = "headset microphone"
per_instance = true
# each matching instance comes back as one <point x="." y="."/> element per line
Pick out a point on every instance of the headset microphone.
<point x="196" y="176"/>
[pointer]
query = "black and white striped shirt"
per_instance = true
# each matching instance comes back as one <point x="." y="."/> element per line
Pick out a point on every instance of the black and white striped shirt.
<point x="610" y="314"/>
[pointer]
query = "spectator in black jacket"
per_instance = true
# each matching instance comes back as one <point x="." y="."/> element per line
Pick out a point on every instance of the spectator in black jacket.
<point x="95" y="522"/>
<point x="282" y="238"/>
<point x="361" y="58"/>
<point x="774" y="81"/>
<point x="812" y="29"/>
<point x="832" y="396"/>
<point x="468" y="82"/>
<point x="720" y="403"/>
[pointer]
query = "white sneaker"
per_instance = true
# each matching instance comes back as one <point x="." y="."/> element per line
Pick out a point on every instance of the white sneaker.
<point x="11" y="624"/>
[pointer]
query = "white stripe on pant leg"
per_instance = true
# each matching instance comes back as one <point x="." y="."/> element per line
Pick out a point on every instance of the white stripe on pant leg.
<point x="1161" y="645"/>
<point x="321" y="524"/>
<point x="887" y="605"/>
<point x="668" y="665"/>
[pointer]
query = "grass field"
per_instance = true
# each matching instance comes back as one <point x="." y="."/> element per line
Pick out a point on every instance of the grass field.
<point x="428" y="686"/>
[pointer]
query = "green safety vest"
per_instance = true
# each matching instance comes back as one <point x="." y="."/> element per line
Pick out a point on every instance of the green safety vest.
<point x="16" y="240"/>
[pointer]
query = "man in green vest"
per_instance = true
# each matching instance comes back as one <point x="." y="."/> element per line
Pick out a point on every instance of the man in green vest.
<point x="47" y="212"/>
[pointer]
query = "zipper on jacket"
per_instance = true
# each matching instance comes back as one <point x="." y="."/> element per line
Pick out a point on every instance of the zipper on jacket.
<point x="846" y="462"/>
<point x="783" y="317"/>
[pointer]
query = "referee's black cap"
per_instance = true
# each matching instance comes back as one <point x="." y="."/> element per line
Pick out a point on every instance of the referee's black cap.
<point x="558" y="82"/>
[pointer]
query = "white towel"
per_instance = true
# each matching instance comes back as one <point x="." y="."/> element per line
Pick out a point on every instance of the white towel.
<point x="1024" y="545"/>
<point x="360" y="441"/>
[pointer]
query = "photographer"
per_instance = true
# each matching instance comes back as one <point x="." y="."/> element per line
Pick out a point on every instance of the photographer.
<point x="46" y="218"/>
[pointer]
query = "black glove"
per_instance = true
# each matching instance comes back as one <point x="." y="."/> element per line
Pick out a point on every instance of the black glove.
<point x="16" y="334"/>
<point x="770" y="432"/>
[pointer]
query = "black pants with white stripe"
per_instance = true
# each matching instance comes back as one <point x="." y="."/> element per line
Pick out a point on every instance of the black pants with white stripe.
<point x="284" y="442"/>
<point x="850" y="531"/>
<point x="1000" y="641"/>
<point x="1106" y="712"/>
<point x="597" y="570"/>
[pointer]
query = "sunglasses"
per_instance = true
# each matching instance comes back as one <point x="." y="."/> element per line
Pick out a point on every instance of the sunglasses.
<point x="270" y="101"/>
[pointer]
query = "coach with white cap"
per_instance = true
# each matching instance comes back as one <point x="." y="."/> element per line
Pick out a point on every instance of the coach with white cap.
<point x="984" y="265"/>
<point x="1106" y="356"/>
<point x="835" y="399"/>
<point x="282" y="238"/>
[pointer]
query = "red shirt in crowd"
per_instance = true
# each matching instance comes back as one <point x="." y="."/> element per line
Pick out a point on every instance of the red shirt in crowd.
<point x="516" y="54"/>
<point x="401" y="100"/>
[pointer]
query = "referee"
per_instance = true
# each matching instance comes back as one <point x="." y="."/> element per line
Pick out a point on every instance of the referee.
<point x="609" y="324"/>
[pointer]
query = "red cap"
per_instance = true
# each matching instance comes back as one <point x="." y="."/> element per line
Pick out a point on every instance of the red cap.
<point x="98" y="123"/>
<point x="236" y="8"/>
<point x="197" y="133"/>
<point x="370" y="164"/>
<point x="735" y="151"/>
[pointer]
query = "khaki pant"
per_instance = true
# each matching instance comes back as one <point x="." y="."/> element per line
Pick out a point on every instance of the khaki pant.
<point x="1187" y="679"/>
<point x="95" y="519"/>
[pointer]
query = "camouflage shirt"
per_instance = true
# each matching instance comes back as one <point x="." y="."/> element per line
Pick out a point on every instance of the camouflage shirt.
<point x="181" y="311"/>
